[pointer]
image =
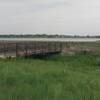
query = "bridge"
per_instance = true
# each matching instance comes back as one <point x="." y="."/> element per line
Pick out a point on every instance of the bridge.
<point x="13" y="47"/>
<point x="28" y="48"/>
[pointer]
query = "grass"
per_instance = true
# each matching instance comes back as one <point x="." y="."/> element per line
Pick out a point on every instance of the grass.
<point x="60" y="77"/>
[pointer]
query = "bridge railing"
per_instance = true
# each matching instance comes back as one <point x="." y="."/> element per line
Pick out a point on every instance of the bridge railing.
<point x="13" y="49"/>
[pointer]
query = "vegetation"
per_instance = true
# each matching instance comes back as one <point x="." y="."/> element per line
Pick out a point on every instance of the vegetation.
<point x="45" y="36"/>
<point x="60" y="77"/>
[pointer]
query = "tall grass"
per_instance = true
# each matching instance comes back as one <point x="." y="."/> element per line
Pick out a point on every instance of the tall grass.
<point x="66" y="77"/>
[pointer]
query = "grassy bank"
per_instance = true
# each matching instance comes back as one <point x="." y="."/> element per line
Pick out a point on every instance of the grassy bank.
<point x="62" y="77"/>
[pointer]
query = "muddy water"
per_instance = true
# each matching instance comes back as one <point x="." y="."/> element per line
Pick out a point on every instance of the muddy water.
<point x="53" y="39"/>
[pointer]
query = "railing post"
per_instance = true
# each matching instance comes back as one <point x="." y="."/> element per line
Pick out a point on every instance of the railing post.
<point x="42" y="46"/>
<point x="26" y="53"/>
<point x="35" y="48"/>
<point x="16" y="49"/>
<point x="61" y="46"/>
<point x="55" y="47"/>
<point x="4" y="47"/>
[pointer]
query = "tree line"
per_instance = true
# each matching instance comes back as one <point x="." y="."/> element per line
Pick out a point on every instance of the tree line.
<point x="45" y="36"/>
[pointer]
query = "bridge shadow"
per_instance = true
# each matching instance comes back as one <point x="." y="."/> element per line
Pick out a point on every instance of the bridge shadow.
<point x="42" y="56"/>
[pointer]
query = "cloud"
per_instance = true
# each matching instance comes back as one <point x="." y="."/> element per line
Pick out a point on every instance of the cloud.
<point x="50" y="16"/>
<point x="47" y="4"/>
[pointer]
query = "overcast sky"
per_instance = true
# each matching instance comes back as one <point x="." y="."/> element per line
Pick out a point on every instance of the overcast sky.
<point x="50" y="16"/>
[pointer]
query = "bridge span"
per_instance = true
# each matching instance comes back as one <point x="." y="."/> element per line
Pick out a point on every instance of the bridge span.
<point x="13" y="47"/>
<point x="28" y="48"/>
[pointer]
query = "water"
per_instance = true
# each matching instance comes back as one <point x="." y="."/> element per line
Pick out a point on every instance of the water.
<point x="52" y="39"/>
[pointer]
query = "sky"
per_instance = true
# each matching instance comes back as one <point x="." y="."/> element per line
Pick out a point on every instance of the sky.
<point x="70" y="17"/>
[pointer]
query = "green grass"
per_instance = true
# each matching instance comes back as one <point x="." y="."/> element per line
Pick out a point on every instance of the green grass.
<point x="61" y="77"/>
